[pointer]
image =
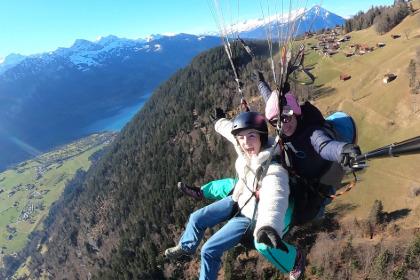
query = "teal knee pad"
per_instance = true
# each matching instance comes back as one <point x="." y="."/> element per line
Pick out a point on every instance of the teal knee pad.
<point x="218" y="189"/>
<point x="280" y="259"/>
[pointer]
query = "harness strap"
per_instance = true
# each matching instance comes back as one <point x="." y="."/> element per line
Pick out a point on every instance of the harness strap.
<point x="349" y="186"/>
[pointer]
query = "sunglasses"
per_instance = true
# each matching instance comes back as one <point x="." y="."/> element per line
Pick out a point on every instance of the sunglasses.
<point x="283" y="119"/>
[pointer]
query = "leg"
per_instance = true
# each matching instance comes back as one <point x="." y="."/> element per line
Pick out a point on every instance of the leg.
<point x="202" y="219"/>
<point x="224" y="239"/>
<point x="214" y="190"/>
<point x="218" y="189"/>
<point x="280" y="259"/>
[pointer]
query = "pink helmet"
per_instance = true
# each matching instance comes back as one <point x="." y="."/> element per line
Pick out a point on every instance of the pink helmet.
<point x="272" y="106"/>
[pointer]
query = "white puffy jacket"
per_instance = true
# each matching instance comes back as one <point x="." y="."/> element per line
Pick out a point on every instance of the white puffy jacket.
<point x="274" y="191"/>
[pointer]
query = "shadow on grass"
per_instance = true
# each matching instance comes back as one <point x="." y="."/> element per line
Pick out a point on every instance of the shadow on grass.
<point x="320" y="91"/>
<point x="396" y="215"/>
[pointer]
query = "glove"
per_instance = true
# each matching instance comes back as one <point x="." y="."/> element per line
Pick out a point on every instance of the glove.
<point x="257" y="76"/>
<point x="268" y="236"/>
<point x="217" y="114"/>
<point x="348" y="156"/>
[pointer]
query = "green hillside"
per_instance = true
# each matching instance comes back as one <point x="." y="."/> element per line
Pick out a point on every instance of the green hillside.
<point x="127" y="211"/>
<point x="384" y="113"/>
<point x="28" y="190"/>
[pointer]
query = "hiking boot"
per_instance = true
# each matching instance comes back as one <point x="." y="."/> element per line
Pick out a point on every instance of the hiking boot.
<point x="190" y="191"/>
<point x="299" y="268"/>
<point x="177" y="253"/>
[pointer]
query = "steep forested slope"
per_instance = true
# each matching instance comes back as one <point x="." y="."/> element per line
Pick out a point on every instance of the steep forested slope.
<point x="128" y="210"/>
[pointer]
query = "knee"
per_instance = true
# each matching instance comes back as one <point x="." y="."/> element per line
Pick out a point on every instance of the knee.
<point x="196" y="217"/>
<point x="208" y="251"/>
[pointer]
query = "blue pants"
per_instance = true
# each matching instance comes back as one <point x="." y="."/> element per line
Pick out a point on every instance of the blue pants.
<point x="283" y="261"/>
<point x="224" y="239"/>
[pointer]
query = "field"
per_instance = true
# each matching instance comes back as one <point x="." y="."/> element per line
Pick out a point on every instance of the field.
<point x="384" y="113"/>
<point x="28" y="190"/>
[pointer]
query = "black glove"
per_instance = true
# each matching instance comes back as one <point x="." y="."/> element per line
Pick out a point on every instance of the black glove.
<point x="217" y="114"/>
<point x="269" y="237"/>
<point x="257" y="76"/>
<point x="348" y="156"/>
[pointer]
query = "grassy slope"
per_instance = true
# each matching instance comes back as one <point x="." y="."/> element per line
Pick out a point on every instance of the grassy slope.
<point x="52" y="180"/>
<point x="383" y="113"/>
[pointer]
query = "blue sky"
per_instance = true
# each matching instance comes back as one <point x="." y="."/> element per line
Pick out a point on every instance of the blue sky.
<point x="35" y="26"/>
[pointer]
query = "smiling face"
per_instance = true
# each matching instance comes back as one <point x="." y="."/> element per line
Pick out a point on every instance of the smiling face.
<point x="289" y="127"/>
<point x="250" y="142"/>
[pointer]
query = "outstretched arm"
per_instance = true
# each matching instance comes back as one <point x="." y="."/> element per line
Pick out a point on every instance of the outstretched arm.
<point x="265" y="90"/>
<point x="263" y="87"/>
<point x="274" y="199"/>
<point x="326" y="147"/>
<point x="224" y="127"/>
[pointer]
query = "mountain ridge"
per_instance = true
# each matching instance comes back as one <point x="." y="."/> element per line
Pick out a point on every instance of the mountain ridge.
<point x="315" y="18"/>
<point x="71" y="88"/>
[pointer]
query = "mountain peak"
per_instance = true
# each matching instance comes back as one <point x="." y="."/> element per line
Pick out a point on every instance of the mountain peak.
<point x="103" y="41"/>
<point x="313" y="19"/>
<point x="318" y="10"/>
<point x="13" y="58"/>
<point x="84" y="45"/>
<point x="10" y="61"/>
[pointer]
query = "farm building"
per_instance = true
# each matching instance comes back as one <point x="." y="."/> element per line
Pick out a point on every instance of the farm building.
<point x="389" y="77"/>
<point x="345" y="77"/>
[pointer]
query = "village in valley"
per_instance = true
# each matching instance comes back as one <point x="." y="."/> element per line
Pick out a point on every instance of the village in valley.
<point x="28" y="189"/>
<point x="332" y="42"/>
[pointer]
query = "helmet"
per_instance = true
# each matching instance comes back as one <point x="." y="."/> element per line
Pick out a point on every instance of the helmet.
<point x="272" y="106"/>
<point x="251" y="120"/>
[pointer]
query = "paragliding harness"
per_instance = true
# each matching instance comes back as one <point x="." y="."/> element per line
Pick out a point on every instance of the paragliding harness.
<point x="310" y="196"/>
<point x="247" y="240"/>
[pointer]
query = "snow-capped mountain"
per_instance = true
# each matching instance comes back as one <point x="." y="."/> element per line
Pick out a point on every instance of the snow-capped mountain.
<point x="10" y="61"/>
<point x="49" y="99"/>
<point x="84" y="54"/>
<point x="299" y="21"/>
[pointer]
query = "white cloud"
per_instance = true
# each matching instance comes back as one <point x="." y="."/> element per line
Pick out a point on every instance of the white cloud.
<point x="1" y="60"/>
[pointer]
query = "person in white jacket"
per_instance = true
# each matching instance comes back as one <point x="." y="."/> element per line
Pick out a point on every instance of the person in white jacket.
<point x="261" y="200"/>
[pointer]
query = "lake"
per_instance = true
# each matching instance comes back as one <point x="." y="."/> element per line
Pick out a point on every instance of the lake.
<point x="119" y="120"/>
